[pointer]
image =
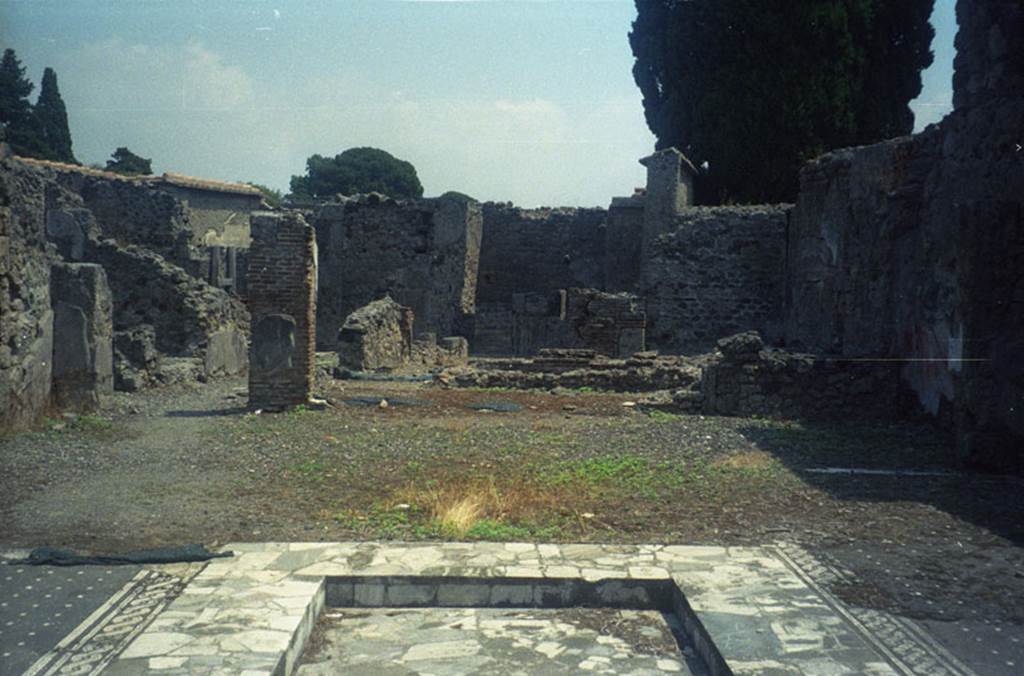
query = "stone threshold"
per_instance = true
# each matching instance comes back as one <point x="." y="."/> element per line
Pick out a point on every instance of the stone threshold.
<point x="744" y="608"/>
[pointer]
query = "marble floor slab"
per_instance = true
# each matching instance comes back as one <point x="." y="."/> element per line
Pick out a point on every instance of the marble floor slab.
<point x="745" y="610"/>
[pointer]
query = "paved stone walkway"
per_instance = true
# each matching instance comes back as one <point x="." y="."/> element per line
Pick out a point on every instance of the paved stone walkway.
<point x="747" y="610"/>
<point x="751" y="608"/>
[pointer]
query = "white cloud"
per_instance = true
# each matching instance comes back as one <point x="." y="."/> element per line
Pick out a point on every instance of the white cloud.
<point x="210" y="84"/>
<point x="194" y="111"/>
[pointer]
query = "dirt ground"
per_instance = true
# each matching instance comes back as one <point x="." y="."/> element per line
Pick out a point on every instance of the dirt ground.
<point x="190" y="464"/>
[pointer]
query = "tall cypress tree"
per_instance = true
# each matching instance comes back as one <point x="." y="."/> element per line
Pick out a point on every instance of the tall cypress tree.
<point x="756" y="88"/>
<point x="51" y="120"/>
<point x="15" y="109"/>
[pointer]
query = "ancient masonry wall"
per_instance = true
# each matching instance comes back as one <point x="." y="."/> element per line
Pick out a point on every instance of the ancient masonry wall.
<point x="147" y="290"/>
<point x="526" y="252"/>
<point x="989" y="63"/>
<point x="26" y="318"/>
<point x="126" y="210"/>
<point x="912" y="248"/>
<point x="424" y="254"/>
<point x="623" y="243"/>
<point x="718" y="272"/>
<point x="282" y="301"/>
<point x="539" y="250"/>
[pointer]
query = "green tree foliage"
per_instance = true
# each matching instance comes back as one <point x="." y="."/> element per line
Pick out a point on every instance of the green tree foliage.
<point x="51" y="120"/>
<point x="16" y="117"/>
<point x="357" y="170"/>
<point x="756" y="88"/>
<point x="273" y="197"/>
<point x="457" y="196"/>
<point x="124" y="161"/>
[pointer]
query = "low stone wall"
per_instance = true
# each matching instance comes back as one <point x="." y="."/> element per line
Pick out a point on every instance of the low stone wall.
<point x="748" y="380"/>
<point x="575" y="369"/>
<point x="282" y="280"/>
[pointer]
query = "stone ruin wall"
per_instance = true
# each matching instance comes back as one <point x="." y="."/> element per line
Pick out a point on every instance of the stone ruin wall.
<point x="282" y="304"/>
<point x="531" y="251"/>
<point x="717" y="272"/>
<point x="124" y="209"/>
<point x="912" y="248"/>
<point x="989" y="52"/>
<point x="423" y="254"/>
<point x="612" y="325"/>
<point x="57" y="254"/>
<point x="26" y="314"/>
<point x="622" y="243"/>
<point x="745" y="380"/>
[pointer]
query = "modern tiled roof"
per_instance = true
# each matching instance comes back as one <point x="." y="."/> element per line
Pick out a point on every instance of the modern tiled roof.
<point x="168" y="178"/>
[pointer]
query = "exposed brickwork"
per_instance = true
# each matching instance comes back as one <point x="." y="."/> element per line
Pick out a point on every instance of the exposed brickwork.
<point x="282" y="301"/>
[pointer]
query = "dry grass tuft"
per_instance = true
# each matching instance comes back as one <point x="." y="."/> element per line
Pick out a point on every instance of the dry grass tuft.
<point x="747" y="460"/>
<point x="460" y="516"/>
<point x="457" y="505"/>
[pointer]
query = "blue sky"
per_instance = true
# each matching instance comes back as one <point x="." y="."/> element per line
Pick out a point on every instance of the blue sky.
<point x="530" y="101"/>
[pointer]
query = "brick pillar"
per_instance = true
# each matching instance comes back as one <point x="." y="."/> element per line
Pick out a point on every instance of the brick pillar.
<point x="282" y="301"/>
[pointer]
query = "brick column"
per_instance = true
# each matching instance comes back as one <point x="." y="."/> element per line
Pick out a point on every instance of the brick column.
<point x="282" y="301"/>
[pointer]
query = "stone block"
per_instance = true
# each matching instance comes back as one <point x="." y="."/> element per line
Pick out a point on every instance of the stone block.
<point x="457" y="348"/>
<point x="82" y="335"/>
<point x="377" y="336"/>
<point x="226" y="353"/>
<point x="368" y="594"/>
<point x="68" y="229"/>
<point x="273" y="343"/>
<point x="408" y="594"/>
<point x="511" y="595"/>
<point x="463" y="595"/>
